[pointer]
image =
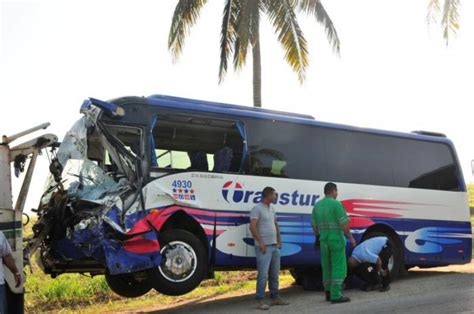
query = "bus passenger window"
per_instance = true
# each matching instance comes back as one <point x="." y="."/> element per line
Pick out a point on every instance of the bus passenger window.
<point x="195" y="143"/>
<point x="280" y="149"/>
<point x="268" y="162"/>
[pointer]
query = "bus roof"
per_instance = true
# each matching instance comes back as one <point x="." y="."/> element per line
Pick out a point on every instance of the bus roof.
<point x="229" y="106"/>
<point x="173" y="102"/>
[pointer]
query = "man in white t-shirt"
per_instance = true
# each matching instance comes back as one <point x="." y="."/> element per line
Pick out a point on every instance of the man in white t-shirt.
<point x="9" y="262"/>
<point x="266" y="233"/>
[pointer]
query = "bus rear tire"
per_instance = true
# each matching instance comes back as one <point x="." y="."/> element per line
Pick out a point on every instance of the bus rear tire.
<point x="129" y="285"/>
<point x="396" y="266"/>
<point x="183" y="263"/>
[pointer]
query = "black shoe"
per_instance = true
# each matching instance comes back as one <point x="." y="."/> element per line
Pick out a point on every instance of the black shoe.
<point x="384" y="289"/>
<point x="328" y="296"/>
<point x="368" y="288"/>
<point x="341" y="300"/>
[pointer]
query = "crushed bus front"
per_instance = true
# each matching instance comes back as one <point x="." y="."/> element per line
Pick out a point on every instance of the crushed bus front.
<point x="91" y="217"/>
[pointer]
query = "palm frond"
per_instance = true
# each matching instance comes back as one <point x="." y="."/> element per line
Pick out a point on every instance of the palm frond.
<point x="246" y="30"/>
<point x="450" y="21"/>
<point x="185" y="16"/>
<point x="316" y="8"/>
<point x="228" y="35"/>
<point x="433" y="11"/>
<point x="242" y="34"/>
<point x="282" y="16"/>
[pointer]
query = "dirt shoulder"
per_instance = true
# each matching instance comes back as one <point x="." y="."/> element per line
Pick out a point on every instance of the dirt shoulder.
<point x="449" y="288"/>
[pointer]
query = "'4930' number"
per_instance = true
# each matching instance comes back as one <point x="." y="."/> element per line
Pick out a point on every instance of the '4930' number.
<point x="185" y="184"/>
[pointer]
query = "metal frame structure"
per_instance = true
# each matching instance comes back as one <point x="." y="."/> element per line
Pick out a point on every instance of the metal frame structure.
<point x="11" y="216"/>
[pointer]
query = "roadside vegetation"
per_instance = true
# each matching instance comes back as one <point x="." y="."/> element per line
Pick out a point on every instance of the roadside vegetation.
<point x="77" y="293"/>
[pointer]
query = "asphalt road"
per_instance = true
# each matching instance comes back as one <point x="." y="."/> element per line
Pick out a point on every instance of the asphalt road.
<point x="440" y="290"/>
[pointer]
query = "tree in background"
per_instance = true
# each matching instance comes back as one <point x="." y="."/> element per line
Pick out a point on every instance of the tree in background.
<point x="470" y="193"/>
<point x="240" y="31"/>
<point x="450" y="16"/>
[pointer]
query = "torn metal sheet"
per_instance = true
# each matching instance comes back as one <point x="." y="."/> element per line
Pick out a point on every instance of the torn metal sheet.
<point x="89" y="202"/>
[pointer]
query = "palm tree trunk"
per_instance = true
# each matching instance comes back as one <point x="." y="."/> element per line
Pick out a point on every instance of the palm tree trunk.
<point x="257" y="73"/>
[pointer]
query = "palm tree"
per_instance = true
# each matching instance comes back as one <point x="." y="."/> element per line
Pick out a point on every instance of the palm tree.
<point x="240" y="30"/>
<point x="450" y="16"/>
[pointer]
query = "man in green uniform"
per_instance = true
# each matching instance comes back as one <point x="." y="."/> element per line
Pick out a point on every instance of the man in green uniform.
<point x="330" y="224"/>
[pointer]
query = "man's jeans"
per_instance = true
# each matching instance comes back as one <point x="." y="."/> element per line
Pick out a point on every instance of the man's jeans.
<point x="268" y="267"/>
<point x="3" y="299"/>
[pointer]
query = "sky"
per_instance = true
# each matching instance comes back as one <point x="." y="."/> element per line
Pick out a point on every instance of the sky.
<point x="394" y="72"/>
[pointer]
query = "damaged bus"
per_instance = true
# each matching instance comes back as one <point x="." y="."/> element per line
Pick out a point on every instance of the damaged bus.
<point x="155" y="192"/>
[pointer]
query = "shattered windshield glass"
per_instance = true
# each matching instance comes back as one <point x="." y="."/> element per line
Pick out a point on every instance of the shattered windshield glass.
<point x="84" y="178"/>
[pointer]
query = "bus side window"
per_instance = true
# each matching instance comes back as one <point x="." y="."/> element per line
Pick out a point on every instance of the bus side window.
<point x="268" y="162"/>
<point x="280" y="149"/>
<point x="184" y="142"/>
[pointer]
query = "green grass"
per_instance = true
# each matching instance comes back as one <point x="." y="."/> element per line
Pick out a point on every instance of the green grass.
<point x="45" y="293"/>
<point x="72" y="292"/>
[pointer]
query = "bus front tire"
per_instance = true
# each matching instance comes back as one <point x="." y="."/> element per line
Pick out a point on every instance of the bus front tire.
<point x="129" y="285"/>
<point x="183" y="263"/>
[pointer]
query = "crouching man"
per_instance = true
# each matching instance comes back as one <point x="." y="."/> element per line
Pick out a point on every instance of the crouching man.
<point x="369" y="262"/>
<point x="265" y="231"/>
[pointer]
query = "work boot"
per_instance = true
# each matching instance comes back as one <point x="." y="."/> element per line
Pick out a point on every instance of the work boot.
<point x="262" y="305"/>
<point x="342" y="299"/>
<point x="279" y="301"/>
<point x="384" y="288"/>
<point x="328" y="296"/>
<point x="370" y="287"/>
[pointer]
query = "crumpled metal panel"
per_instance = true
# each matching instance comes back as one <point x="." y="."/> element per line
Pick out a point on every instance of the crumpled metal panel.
<point x="101" y="236"/>
<point x="87" y="235"/>
<point x="137" y="253"/>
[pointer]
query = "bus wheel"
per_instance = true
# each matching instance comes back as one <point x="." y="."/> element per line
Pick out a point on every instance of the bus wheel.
<point x="183" y="263"/>
<point x="131" y="285"/>
<point x="395" y="264"/>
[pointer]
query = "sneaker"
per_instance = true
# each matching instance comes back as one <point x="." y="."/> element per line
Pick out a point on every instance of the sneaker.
<point x="342" y="299"/>
<point x="263" y="306"/>
<point x="279" y="301"/>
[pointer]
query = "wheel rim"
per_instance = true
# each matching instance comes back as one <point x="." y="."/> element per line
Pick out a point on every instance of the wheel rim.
<point x="179" y="261"/>
<point x="391" y="262"/>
